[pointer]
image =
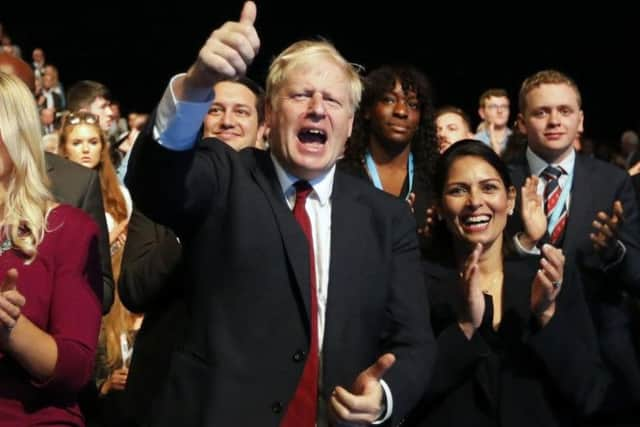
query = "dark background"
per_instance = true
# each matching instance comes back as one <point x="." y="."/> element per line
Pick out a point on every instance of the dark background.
<point x="134" y="48"/>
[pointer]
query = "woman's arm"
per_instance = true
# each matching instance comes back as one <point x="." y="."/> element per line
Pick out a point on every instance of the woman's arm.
<point x="61" y="357"/>
<point x="25" y="342"/>
<point x="31" y="347"/>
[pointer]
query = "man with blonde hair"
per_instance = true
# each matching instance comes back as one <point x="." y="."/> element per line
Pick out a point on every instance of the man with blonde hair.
<point x="591" y="213"/>
<point x="308" y="304"/>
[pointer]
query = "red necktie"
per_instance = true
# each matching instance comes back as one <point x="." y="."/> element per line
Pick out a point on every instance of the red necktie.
<point x="302" y="409"/>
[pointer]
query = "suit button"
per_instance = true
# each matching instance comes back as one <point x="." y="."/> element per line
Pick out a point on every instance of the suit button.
<point x="276" y="407"/>
<point x="298" y="356"/>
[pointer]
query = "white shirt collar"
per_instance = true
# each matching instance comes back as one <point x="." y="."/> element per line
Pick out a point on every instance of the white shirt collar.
<point x="537" y="164"/>
<point x="322" y="185"/>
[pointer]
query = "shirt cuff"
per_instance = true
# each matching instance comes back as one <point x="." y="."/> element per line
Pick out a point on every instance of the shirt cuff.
<point x="178" y="122"/>
<point x="389" y="404"/>
<point x="521" y="249"/>
<point x="621" y="251"/>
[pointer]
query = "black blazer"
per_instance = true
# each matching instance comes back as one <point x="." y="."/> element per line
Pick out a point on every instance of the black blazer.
<point x="151" y="282"/>
<point x="248" y="296"/>
<point x="596" y="185"/>
<point x="422" y="201"/>
<point x="80" y="187"/>
<point x="636" y="185"/>
<point x="521" y="374"/>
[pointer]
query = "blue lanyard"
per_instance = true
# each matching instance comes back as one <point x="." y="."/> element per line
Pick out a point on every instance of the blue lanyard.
<point x="373" y="172"/>
<point x="564" y="195"/>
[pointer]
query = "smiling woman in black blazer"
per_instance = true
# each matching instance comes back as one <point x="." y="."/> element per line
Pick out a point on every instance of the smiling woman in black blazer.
<point x="516" y="346"/>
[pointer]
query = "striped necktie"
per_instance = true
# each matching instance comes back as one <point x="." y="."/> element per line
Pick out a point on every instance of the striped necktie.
<point x="552" y="192"/>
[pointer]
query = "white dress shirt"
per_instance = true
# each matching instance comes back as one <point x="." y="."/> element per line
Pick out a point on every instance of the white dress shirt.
<point x="536" y="166"/>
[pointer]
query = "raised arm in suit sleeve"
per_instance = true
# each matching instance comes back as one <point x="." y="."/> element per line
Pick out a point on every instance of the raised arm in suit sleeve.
<point x="628" y="269"/>
<point x="170" y="177"/>
<point x="172" y="187"/>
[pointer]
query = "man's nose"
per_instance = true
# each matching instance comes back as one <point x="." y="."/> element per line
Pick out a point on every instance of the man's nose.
<point x="316" y="105"/>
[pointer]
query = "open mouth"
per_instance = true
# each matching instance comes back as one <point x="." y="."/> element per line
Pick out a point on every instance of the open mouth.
<point x="312" y="136"/>
<point x="475" y="222"/>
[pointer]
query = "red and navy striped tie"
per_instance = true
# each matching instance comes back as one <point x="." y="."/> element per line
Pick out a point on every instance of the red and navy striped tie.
<point x="552" y="192"/>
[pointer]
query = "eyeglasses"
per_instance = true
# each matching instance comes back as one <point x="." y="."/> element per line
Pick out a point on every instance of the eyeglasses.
<point x="498" y="106"/>
<point x="81" y="117"/>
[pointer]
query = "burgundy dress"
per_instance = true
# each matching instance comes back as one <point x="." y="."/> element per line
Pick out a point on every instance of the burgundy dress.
<point x="62" y="287"/>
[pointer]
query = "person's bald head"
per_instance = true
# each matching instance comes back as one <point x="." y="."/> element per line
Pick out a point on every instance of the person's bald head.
<point x="16" y="66"/>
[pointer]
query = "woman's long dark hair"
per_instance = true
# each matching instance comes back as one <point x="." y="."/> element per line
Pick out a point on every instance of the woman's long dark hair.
<point x="424" y="144"/>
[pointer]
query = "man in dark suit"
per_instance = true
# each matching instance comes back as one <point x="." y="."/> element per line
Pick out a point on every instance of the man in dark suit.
<point x="591" y="212"/>
<point x="152" y="279"/>
<point x="274" y="295"/>
<point x="152" y="282"/>
<point x="47" y="98"/>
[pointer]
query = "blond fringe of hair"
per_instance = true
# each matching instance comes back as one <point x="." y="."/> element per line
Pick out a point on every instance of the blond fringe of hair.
<point x="302" y="53"/>
<point x="542" y="78"/>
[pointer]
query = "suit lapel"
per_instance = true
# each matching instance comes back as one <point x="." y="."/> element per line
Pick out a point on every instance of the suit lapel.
<point x="519" y="171"/>
<point x="346" y="235"/>
<point x="581" y="200"/>
<point x="293" y="238"/>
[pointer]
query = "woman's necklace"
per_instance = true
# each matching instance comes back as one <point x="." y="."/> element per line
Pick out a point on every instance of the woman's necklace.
<point x="5" y="245"/>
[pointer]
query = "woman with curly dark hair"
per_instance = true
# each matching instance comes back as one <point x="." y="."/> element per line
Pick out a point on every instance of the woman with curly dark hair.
<point x="393" y="143"/>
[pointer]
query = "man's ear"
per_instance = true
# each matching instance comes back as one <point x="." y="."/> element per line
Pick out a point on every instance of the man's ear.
<point x="351" y="125"/>
<point x="581" y="124"/>
<point x="260" y="134"/>
<point x="481" y="113"/>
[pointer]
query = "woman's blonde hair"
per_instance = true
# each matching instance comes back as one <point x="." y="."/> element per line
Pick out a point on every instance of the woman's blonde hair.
<point x="27" y="197"/>
<point x="112" y="198"/>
